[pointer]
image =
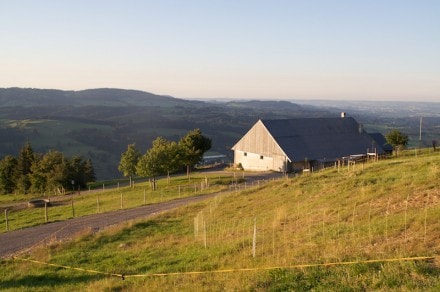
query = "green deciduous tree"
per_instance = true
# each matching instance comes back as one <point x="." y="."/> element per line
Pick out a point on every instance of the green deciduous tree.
<point x="38" y="177"/>
<point x="165" y="157"/>
<point x="53" y="172"/>
<point x="129" y="160"/>
<point x="193" y="145"/>
<point x="89" y="171"/>
<point x="162" y="158"/>
<point x="50" y="173"/>
<point x="25" y="160"/>
<point x="397" y="139"/>
<point x="172" y="157"/>
<point x="80" y="171"/>
<point x="7" y="174"/>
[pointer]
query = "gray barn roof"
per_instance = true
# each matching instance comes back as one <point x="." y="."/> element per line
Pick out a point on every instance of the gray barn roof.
<point x="382" y="141"/>
<point x="320" y="138"/>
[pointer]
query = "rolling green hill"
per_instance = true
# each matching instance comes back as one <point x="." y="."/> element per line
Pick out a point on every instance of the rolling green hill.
<point x="100" y="123"/>
<point x="30" y="97"/>
<point x="372" y="226"/>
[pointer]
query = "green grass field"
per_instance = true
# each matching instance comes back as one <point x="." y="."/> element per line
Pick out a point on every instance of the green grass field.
<point x="104" y="197"/>
<point x="352" y="229"/>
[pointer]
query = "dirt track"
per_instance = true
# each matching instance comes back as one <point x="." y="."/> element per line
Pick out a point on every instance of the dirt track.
<point x="24" y="239"/>
<point x="21" y="240"/>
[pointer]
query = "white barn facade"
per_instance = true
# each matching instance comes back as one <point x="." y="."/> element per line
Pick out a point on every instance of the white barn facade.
<point x="259" y="151"/>
<point x="285" y="144"/>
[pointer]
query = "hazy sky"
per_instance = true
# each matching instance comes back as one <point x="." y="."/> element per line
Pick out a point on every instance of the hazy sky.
<point x="310" y="49"/>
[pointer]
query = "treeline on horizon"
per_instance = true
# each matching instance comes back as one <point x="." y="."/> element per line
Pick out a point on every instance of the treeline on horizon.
<point x="32" y="172"/>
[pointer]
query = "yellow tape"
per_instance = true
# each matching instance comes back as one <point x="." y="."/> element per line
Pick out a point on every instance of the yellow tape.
<point x="284" y="267"/>
<point x="70" y="268"/>
<point x="231" y="270"/>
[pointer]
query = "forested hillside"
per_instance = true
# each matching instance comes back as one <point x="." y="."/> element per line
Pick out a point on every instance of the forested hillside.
<point x="98" y="124"/>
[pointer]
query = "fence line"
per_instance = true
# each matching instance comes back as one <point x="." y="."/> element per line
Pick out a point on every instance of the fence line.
<point x="103" y="204"/>
<point x="323" y="227"/>
<point x="318" y="223"/>
<point x="97" y="202"/>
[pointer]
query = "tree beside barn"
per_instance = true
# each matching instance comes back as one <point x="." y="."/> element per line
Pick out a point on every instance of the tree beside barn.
<point x="129" y="160"/>
<point x="397" y="139"/>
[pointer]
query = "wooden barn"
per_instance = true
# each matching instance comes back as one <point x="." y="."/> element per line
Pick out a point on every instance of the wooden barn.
<point x="285" y="145"/>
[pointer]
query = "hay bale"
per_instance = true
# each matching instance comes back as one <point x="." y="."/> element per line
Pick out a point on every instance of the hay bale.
<point x="38" y="203"/>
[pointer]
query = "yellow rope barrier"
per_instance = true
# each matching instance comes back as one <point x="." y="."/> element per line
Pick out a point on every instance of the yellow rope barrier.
<point x="231" y="270"/>
<point x="69" y="267"/>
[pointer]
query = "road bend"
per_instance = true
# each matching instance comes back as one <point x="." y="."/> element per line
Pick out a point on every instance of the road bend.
<point x="20" y="241"/>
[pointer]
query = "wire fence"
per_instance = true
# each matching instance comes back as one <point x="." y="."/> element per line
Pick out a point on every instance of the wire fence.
<point x="365" y="228"/>
<point x="103" y="200"/>
<point x="398" y="226"/>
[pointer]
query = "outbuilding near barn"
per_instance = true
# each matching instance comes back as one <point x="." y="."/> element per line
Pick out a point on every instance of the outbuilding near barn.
<point x="286" y="145"/>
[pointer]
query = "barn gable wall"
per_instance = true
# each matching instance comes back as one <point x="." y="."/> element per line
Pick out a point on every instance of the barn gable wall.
<point x="258" y="140"/>
<point x="252" y="161"/>
<point x="258" y="150"/>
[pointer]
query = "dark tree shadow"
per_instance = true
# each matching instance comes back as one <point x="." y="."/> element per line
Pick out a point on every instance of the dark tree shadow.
<point x="50" y="280"/>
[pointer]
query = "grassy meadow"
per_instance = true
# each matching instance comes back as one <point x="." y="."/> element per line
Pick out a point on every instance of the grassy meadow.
<point x="337" y="229"/>
<point x="106" y="196"/>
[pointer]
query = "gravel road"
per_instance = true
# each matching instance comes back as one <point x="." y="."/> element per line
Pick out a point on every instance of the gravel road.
<point x="24" y="239"/>
<point x="21" y="240"/>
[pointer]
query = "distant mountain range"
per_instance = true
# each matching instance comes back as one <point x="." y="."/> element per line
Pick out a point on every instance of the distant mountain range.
<point x="10" y="97"/>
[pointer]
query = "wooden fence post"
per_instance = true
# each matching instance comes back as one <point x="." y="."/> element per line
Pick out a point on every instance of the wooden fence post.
<point x="97" y="203"/>
<point x="426" y="215"/>
<point x="6" y="219"/>
<point x="254" y="240"/>
<point x="406" y="210"/>
<point x="204" y="232"/>
<point x="73" y="208"/>
<point x="386" y="219"/>
<point x="352" y="220"/>
<point x="45" y="212"/>
<point x="369" y="223"/>
<point x="196" y="226"/>
<point x="273" y="238"/>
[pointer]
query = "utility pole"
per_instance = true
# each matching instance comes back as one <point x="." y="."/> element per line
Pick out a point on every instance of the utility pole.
<point x="420" y="133"/>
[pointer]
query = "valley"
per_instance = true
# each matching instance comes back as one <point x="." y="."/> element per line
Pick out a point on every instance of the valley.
<point x="100" y="123"/>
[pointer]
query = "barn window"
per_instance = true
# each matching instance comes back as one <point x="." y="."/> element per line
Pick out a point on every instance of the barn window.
<point x="245" y="154"/>
<point x="261" y="156"/>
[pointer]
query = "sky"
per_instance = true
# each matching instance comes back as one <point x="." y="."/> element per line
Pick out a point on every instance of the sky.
<point x="213" y="49"/>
